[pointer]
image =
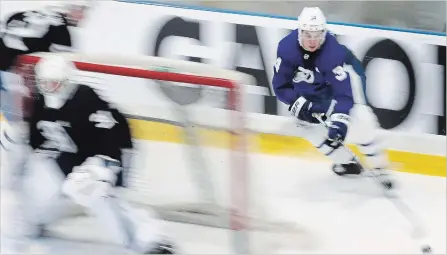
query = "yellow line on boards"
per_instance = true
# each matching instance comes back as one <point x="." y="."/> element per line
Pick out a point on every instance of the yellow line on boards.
<point x="279" y="145"/>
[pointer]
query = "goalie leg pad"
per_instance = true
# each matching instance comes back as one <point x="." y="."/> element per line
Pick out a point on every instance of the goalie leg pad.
<point x="147" y="231"/>
<point x="39" y="190"/>
<point x="134" y="228"/>
<point x="90" y="182"/>
<point x="35" y="202"/>
<point x="13" y="153"/>
<point x="137" y="229"/>
<point x="85" y="191"/>
<point x="91" y="185"/>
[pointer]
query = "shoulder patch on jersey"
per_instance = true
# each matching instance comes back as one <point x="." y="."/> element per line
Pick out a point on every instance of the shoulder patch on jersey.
<point x="103" y="119"/>
<point x="303" y="74"/>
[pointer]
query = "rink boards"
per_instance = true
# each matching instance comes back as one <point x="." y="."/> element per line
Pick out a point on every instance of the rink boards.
<point x="412" y="109"/>
<point x="293" y="146"/>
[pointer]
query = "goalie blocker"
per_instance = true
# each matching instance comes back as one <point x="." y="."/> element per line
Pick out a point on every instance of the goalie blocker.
<point x="77" y="140"/>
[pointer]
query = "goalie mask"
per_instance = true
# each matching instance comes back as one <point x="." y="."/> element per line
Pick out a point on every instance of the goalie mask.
<point x="53" y="75"/>
<point x="311" y="28"/>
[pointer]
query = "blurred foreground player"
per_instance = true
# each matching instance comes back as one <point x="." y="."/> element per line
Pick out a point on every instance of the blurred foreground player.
<point x="47" y="29"/>
<point x="75" y="151"/>
<point x="312" y="75"/>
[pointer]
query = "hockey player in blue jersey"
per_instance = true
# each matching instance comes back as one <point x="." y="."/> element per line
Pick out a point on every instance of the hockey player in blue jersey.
<point x="315" y="74"/>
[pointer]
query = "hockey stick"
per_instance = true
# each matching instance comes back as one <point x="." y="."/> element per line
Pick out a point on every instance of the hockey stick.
<point x="419" y="231"/>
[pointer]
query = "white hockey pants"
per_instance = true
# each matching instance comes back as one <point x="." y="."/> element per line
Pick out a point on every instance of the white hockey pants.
<point x="362" y="131"/>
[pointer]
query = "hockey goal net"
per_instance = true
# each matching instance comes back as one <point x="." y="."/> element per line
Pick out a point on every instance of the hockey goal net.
<point x="190" y="161"/>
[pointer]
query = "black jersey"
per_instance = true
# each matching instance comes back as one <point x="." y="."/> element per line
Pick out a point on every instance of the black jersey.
<point x="33" y="31"/>
<point x="83" y="127"/>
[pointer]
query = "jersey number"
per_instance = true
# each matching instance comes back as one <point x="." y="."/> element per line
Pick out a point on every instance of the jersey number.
<point x="56" y="137"/>
<point x="340" y="73"/>
<point x="33" y="25"/>
<point x="278" y="64"/>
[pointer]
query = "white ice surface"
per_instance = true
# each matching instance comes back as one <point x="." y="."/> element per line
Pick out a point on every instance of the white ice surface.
<point x="337" y="215"/>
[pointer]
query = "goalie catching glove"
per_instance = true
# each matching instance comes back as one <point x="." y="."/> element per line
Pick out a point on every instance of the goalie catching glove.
<point x="91" y="180"/>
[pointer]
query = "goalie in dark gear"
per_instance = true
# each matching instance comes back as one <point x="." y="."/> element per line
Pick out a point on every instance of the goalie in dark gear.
<point x="76" y="140"/>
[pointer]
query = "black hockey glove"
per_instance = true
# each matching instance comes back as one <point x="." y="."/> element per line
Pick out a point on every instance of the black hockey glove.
<point x="304" y="109"/>
<point x="338" y="129"/>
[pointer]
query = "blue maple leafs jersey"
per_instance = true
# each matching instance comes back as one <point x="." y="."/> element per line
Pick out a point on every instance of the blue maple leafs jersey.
<point x="316" y="76"/>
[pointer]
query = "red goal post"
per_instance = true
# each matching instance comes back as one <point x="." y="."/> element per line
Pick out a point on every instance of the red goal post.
<point x="188" y="72"/>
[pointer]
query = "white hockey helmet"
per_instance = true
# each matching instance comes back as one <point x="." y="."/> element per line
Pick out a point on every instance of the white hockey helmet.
<point x="311" y="25"/>
<point x="53" y="74"/>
